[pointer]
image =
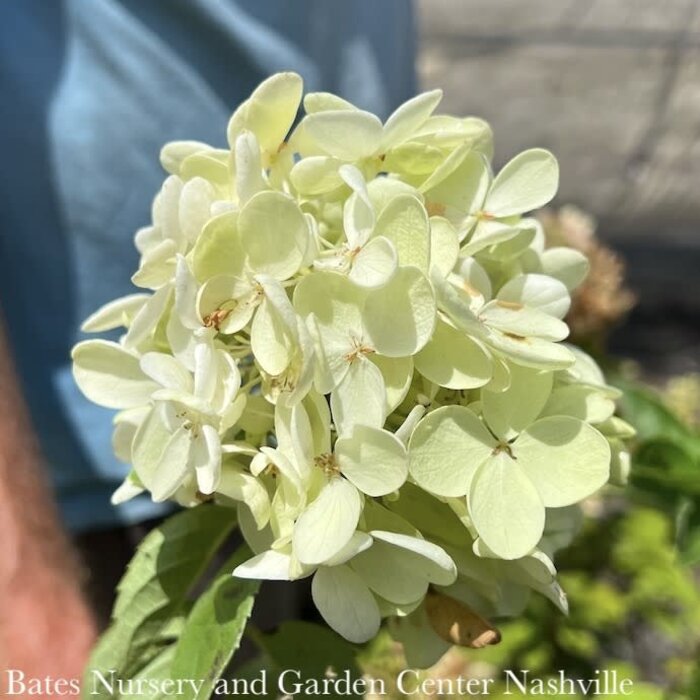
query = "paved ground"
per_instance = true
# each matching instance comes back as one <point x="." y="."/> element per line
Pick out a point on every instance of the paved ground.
<point x="612" y="87"/>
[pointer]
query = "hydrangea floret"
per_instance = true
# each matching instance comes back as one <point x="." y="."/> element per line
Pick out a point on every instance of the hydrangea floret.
<point x="351" y="332"/>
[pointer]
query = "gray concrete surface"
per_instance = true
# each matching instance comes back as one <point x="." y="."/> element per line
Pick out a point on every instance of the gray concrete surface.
<point x="611" y="86"/>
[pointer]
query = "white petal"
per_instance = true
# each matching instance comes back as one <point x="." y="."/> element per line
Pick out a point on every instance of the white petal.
<point x="372" y="459"/>
<point x="270" y="566"/>
<point x="346" y="603"/>
<point x="327" y="525"/>
<point x="206" y="459"/>
<point x="110" y="376"/>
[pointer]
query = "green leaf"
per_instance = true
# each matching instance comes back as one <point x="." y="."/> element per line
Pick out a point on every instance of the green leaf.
<point x="154" y="590"/>
<point x="646" y="412"/>
<point x="214" y="628"/>
<point x="155" y="671"/>
<point x="321" y="650"/>
<point x="666" y="465"/>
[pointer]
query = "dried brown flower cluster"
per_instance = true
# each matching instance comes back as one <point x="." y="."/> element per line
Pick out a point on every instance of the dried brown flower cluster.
<point x="602" y="300"/>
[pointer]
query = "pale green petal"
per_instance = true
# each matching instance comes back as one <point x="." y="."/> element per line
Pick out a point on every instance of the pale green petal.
<point x="206" y="459"/>
<point x="157" y="266"/>
<point x="164" y="477"/>
<point x="358" y="212"/>
<point x="514" y="247"/>
<point x="259" y="541"/>
<point x="294" y="436"/>
<point x="238" y="484"/>
<point x="446" y="448"/>
<point x="404" y="222"/>
<point x="490" y="233"/>
<point x="359" y="398"/>
<point x="444" y="245"/>
<point x="413" y="158"/>
<point x="186" y="295"/>
<point x="382" y="190"/>
<point x="173" y="153"/>
<point x="584" y="402"/>
<point x="114" y="314"/>
<point x="400" y="317"/>
<point x="324" y="101"/>
<point x="454" y="360"/>
<point x="409" y="117"/>
<point x="405" y="430"/>
<point x="273" y="334"/>
<point x="331" y="349"/>
<point x="150" y="440"/>
<point x="270" y="111"/>
<point x="127" y="490"/>
<point x="474" y="280"/>
<point x="375" y="264"/>
<point x="566" y="459"/>
<point x="372" y="459"/>
<point x="500" y="380"/>
<point x="269" y="566"/>
<point x="509" y="412"/>
<point x="539" y="292"/>
<point x="346" y="603"/>
<point x="109" y="375"/>
<point x="327" y="525"/>
<point x="565" y="264"/>
<point x="586" y="369"/>
<point x="458" y="187"/>
<point x="346" y="134"/>
<point x="230" y="300"/>
<point x="232" y="414"/>
<point x="205" y="378"/>
<point x="166" y="214"/>
<point x="522" y="321"/>
<point x="359" y="542"/>
<point x="333" y="299"/>
<point x="391" y="573"/>
<point x="195" y="206"/>
<point x="147" y="319"/>
<point x="218" y="250"/>
<point x="319" y="415"/>
<point x="211" y="165"/>
<point x="182" y="341"/>
<point x="428" y="559"/>
<point x="531" y="352"/>
<point x="316" y="175"/>
<point x="397" y="373"/>
<point x="167" y="371"/>
<point x="273" y="234"/>
<point x="505" y="507"/>
<point x="249" y="175"/>
<point x="126" y="423"/>
<point x="525" y="183"/>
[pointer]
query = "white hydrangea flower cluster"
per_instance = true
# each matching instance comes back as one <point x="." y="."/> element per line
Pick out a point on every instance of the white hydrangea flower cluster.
<point x="352" y="333"/>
